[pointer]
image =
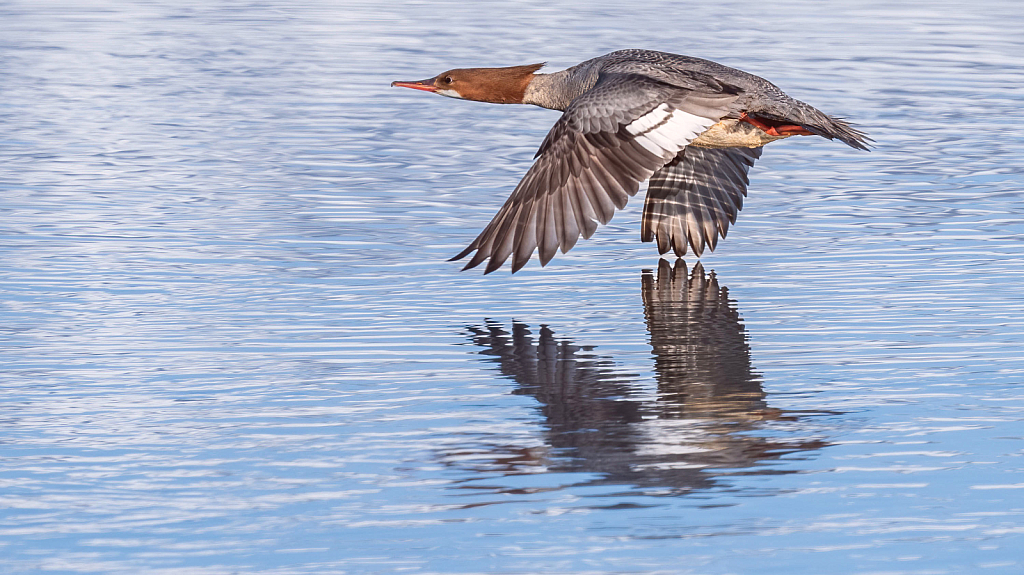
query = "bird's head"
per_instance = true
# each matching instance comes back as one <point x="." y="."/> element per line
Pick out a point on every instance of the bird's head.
<point x="496" y="85"/>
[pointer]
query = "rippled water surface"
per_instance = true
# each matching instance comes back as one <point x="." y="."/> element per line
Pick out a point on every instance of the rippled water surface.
<point x="231" y="341"/>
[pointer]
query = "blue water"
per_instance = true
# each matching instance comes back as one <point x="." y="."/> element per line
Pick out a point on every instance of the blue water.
<point x="230" y="341"/>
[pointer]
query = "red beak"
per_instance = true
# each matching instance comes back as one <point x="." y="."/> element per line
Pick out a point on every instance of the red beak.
<point x="425" y="85"/>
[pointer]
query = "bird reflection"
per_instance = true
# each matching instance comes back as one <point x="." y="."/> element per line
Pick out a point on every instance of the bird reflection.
<point x="701" y="423"/>
<point x="701" y="355"/>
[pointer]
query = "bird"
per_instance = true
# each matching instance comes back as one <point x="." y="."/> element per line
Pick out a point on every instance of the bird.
<point x="691" y="127"/>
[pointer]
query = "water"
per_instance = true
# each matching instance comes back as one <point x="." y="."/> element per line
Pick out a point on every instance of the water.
<point x="231" y="342"/>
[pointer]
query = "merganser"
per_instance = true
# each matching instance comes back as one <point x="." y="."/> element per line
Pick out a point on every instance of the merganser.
<point x="692" y="127"/>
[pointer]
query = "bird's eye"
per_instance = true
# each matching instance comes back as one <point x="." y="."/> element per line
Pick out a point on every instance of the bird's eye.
<point x="447" y="79"/>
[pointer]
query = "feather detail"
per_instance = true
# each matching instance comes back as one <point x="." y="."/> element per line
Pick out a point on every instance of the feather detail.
<point x="693" y="199"/>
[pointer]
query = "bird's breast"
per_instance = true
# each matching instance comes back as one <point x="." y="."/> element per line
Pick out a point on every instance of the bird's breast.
<point x="734" y="134"/>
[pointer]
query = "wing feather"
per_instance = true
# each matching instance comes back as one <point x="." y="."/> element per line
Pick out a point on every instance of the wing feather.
<point x="547" y="241"/>
<point x="693" y="199"/>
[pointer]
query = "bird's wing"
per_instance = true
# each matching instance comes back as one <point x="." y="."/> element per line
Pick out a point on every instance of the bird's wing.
<point x="695" y="197"/>
<point x="608" y="141"/>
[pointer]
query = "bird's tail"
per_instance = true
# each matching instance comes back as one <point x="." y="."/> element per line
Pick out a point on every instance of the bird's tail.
<point x="840" y="129"/>
<point x="830" y="127"/>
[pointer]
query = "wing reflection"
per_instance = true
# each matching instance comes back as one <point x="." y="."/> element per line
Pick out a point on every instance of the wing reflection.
<point x="701" y="356"/>
<point x="703" y="421"/>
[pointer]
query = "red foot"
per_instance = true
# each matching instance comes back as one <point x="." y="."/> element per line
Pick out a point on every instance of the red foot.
<point x="788" y="129"/>
<point x="781" y="130"/>
<point x="756" y="123"/>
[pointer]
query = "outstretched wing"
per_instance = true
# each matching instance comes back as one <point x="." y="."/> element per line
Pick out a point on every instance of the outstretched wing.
<point x="608" y="141"/>
<point x="695" y="197"/>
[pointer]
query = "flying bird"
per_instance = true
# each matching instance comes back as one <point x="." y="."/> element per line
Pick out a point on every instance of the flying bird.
<point x="691" y="127"/>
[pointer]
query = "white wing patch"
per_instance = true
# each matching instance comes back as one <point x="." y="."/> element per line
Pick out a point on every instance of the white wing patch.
<point x="664" y="131"/>
<point x="649" y="120"/>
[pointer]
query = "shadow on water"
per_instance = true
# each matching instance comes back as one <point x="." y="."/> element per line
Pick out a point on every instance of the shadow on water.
<point x="708" y="417"/>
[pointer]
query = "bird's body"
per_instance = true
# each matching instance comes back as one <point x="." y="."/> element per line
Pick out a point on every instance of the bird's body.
<point x="691" y="126"/>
